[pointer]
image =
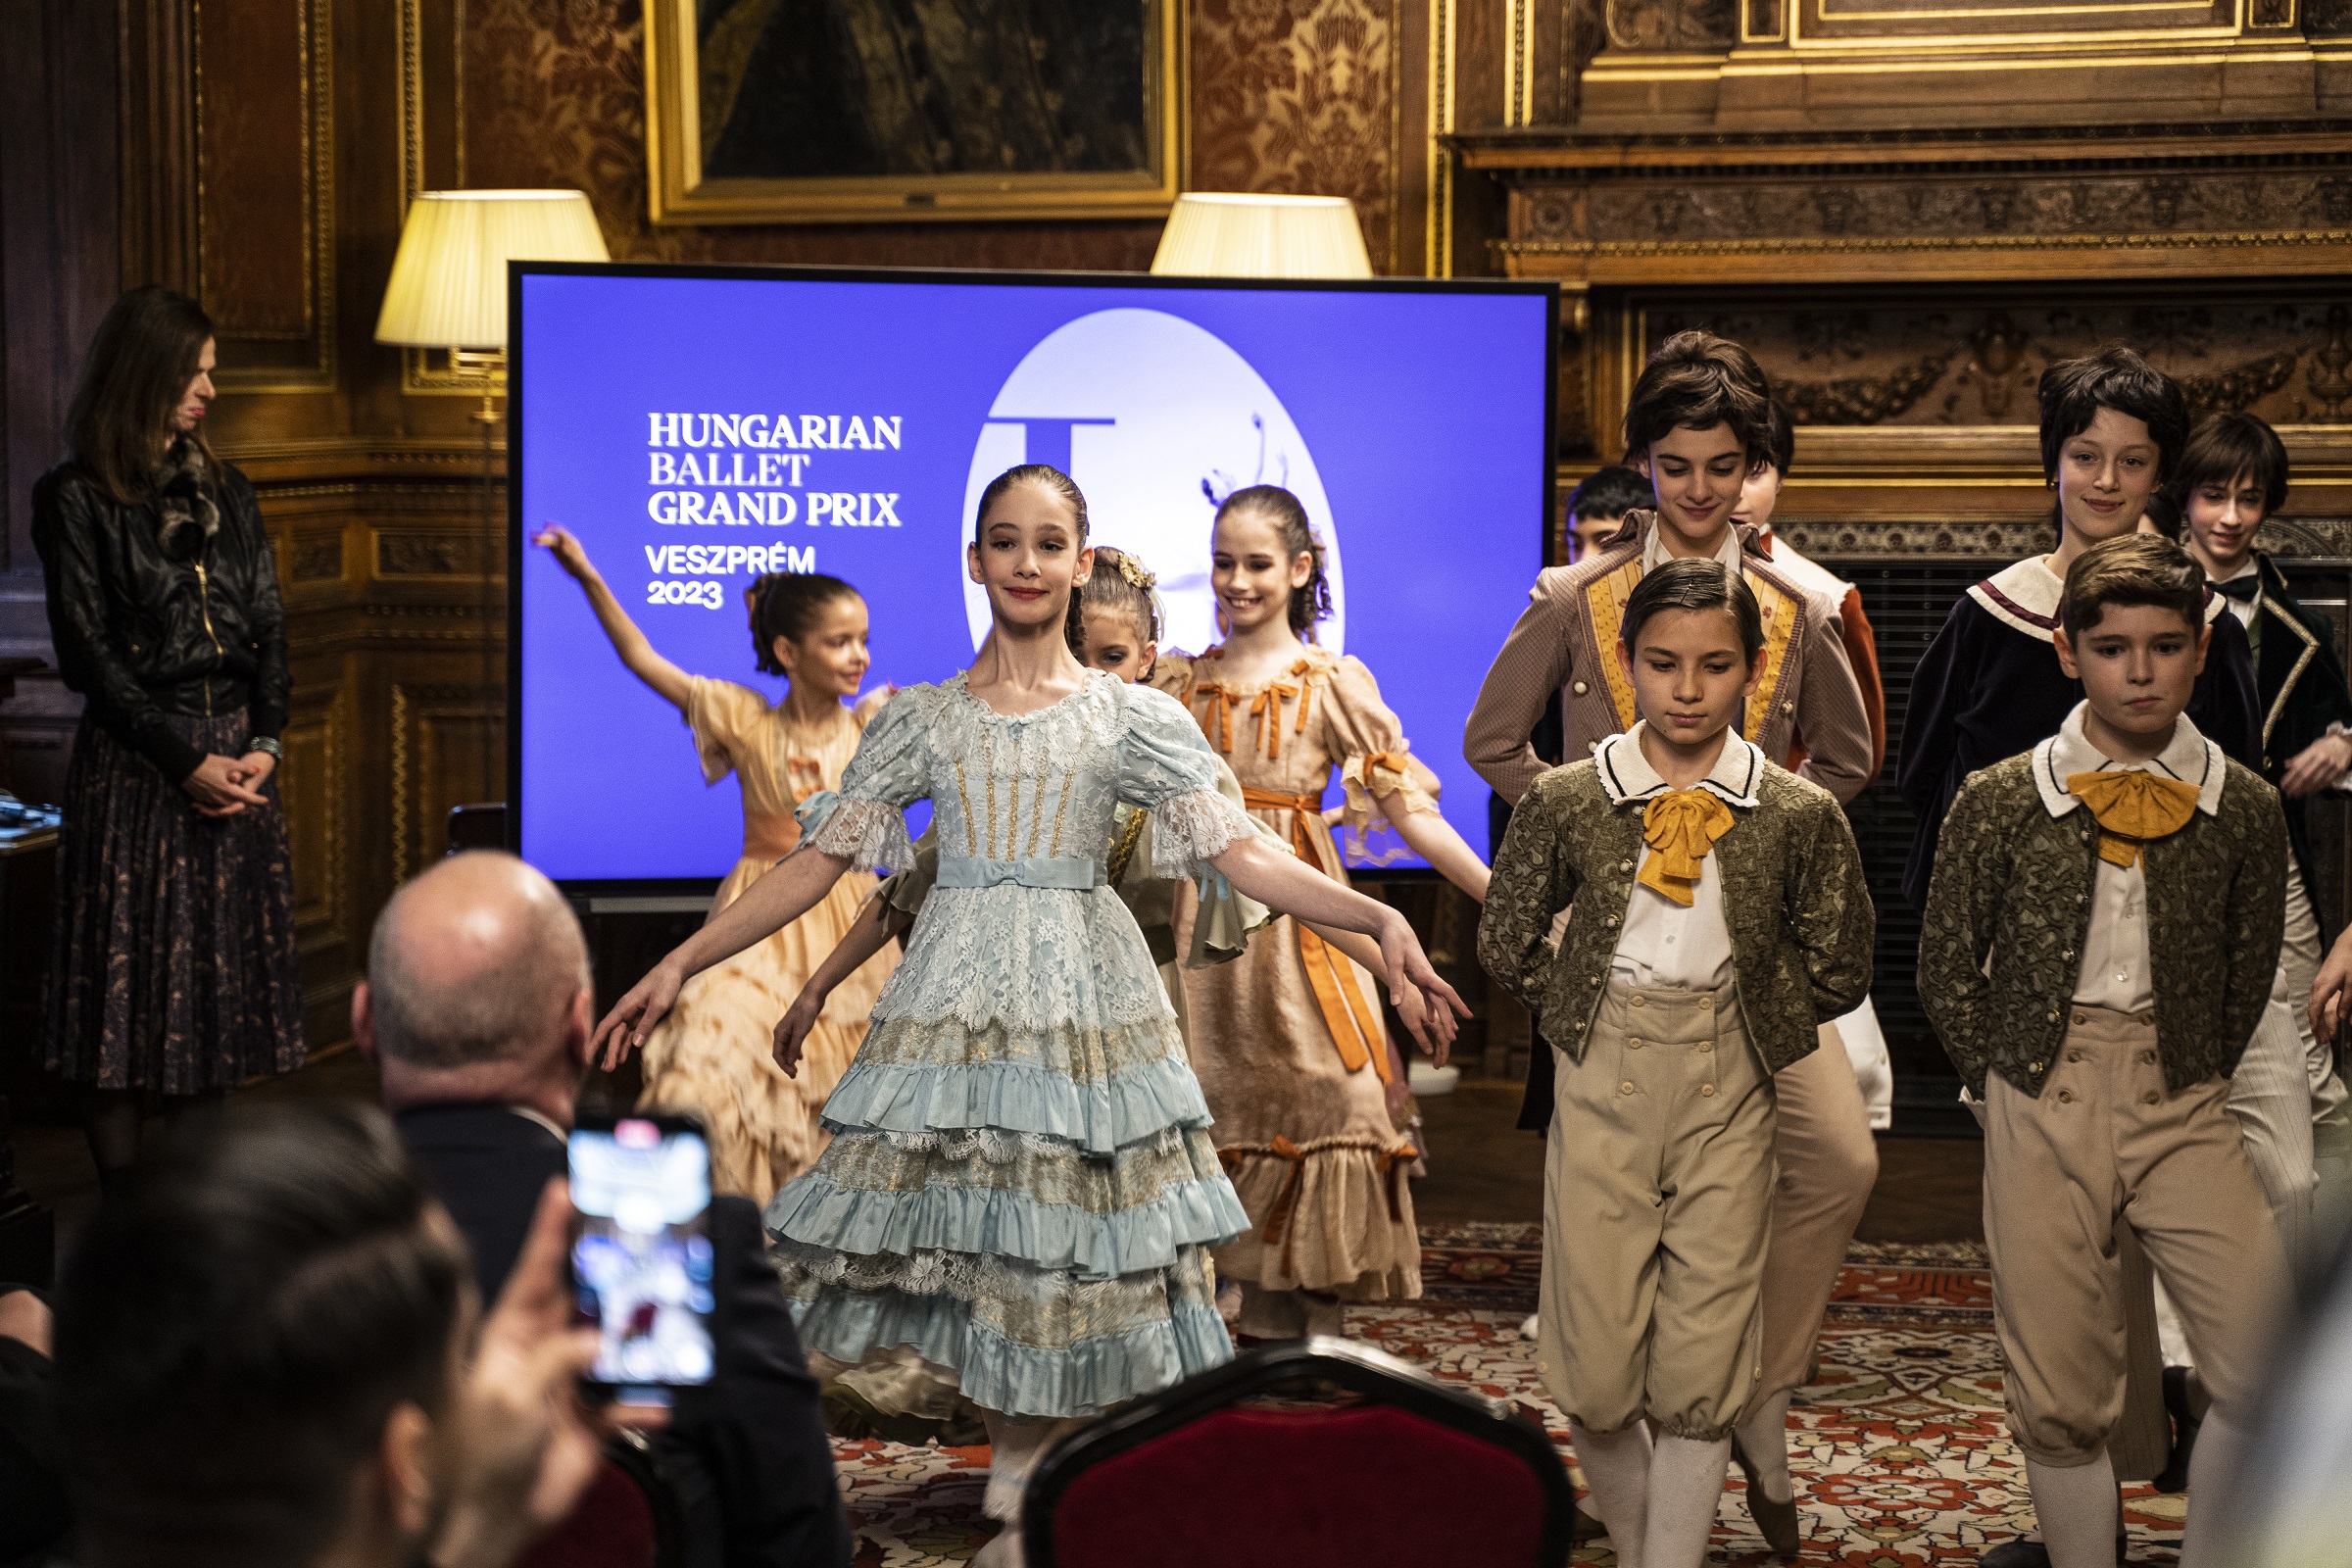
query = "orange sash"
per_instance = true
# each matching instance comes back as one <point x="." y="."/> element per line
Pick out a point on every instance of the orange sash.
<point x="1354" y="1024"/>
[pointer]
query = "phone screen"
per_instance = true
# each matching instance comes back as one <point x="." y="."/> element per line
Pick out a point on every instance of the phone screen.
<point x="642" y="1263"/>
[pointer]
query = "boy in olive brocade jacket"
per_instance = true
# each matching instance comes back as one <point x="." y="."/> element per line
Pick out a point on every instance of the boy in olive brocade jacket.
<point x="2097" y="946"/>
<point x="1717" y="916"/>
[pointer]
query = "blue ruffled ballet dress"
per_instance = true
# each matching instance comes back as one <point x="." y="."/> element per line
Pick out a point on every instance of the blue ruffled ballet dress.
<point x="1020" y="1185"/>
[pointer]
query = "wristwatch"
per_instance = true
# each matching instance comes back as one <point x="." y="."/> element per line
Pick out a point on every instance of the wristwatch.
<point x="265" y="743"/>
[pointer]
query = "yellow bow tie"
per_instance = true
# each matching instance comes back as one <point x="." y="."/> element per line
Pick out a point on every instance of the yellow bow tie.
<point x="2132" y="808"/>
<point x="1680" y="827"/>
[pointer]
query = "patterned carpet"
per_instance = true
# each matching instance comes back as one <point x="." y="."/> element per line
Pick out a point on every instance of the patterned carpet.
<point x="1900" y="1454"/>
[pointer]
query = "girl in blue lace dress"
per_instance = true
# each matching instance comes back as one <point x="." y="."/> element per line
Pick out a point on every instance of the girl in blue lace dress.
<point x="1021" y="1188"/>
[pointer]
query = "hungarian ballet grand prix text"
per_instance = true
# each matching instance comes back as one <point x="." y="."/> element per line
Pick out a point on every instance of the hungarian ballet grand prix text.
<point x="745" y="470"/>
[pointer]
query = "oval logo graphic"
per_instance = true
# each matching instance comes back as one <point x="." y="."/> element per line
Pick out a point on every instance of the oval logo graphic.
<point x="1159" y="420"/>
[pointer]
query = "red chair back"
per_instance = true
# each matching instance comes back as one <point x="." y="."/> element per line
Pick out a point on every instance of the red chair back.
<point x="612" y="1527"/>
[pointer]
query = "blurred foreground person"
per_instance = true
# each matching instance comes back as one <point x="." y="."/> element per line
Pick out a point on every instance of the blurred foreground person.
<point x="271" y="1355"/>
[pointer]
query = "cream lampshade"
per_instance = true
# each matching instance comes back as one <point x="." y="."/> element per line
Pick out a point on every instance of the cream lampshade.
<point x="1228" y="234"/>
<point x="449" y="280"/>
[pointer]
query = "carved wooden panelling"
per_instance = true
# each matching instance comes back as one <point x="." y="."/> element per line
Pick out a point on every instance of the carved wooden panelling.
<point x="315" y="784"/>
<point x="448" y="749"/>
<point x="2283" y="354"/>
<point x="316" y="557"/>
<point x="437" y="555"/>
<point x="265" y="198"/>
<point x="1300" y="98"/>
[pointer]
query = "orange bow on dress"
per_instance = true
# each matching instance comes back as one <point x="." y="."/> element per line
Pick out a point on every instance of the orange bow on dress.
<point x="1353" y="1021"/>
<point x="1680" y="827"/>
<point x="2132" y="808"/>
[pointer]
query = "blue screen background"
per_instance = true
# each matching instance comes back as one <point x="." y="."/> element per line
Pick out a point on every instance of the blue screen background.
<point x="1424" y="413"/>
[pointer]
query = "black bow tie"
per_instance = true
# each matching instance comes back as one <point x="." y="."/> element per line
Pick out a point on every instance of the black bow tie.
<point x="2245" y="590"/>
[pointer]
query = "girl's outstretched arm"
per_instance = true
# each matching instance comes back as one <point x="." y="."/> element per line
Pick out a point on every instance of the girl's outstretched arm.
<point x="648" y="666"/>
<point x="1280" y="880"/>
<point x="789" y="890"/>
<point x="867" y="935"/>
<point x="1433" y="839"/>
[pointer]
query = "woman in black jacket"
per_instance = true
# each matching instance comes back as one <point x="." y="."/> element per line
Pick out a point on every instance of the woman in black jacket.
<point x="172" y="961"/>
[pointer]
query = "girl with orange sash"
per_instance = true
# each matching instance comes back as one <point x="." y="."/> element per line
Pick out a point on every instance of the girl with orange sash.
<point x="712" y="1055"/>
<point x="1287" y="1039"/>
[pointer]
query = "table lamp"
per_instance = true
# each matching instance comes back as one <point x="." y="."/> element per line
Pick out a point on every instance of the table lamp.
<point x="448" y="278"/>
<point x="1232" y="235"/>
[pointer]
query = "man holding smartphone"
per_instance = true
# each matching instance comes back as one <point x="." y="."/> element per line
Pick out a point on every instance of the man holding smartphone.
<point x="478" y="1009"/>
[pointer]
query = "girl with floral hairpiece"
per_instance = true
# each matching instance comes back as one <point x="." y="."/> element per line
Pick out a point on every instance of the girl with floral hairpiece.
<point x="1292" y="1055"/>
<point x="710" y="1055"/>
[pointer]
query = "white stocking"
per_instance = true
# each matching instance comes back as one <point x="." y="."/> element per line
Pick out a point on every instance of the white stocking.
<point x="1686" y="1486"/>
<point x="1764" y="1439"/>
<point x="2077" y="1506"/>
<point x="1014" y="1447"/>
<point x="1617" y="1465"/>
<point x="2212" y="1470"/>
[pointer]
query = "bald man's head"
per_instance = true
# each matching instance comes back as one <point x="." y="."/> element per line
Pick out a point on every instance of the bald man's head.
<point x="477" y="961"/>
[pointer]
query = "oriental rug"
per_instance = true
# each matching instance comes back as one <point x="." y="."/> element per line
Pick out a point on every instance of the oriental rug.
<point x="1902" y="1456"/>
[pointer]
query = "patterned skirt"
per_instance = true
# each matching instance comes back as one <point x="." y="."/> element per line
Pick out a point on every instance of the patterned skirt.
<point x="172" y="960"/>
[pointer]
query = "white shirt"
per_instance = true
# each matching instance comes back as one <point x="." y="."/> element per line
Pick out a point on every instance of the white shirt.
<point x="1654" y="553"/>
<point x="2115" y="949"/>
<point x="2246" y="612"/>
<point x="1664" y="944"/>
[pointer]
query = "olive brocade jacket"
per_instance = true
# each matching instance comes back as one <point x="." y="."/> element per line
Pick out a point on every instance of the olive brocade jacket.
<point x="1794" y="898"/>
<point x="2013" y="884"/>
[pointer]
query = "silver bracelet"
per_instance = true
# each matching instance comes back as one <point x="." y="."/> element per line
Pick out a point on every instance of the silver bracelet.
<point x="264" y="744"/>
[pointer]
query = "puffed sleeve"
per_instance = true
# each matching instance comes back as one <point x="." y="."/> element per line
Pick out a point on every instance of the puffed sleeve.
<point x="1376" y="761"/>
<point x="724" y="718"/>
<point x="892" y="771"/>
<point x="1165" y="767"/>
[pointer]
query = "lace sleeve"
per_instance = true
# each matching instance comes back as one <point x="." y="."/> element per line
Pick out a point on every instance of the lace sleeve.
<point x="865" y="821"/>
<point x="1190" y="830"/>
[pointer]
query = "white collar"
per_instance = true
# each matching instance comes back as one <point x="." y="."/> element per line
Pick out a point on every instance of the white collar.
<point x="528" y="1115"/>
<point x="1626" y="774"/>
<point x="2251" y="569"/>
<point x="2188" y="757"/>
<point x="2024" y="596"/>
<point x="1654" y="553"/>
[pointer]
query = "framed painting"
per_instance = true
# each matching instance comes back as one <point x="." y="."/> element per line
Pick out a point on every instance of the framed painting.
<point x="865" y="110"/>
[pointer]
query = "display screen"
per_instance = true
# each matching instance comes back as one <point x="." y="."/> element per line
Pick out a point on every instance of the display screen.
<point x="640" y="1261"/>
<point x="695" y="427"/>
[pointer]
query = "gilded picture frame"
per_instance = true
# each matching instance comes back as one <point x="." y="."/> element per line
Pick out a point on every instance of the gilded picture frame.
<point x="844" y="111"/>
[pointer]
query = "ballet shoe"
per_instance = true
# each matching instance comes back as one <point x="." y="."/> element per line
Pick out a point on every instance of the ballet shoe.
<point x="1779" y="1523"/>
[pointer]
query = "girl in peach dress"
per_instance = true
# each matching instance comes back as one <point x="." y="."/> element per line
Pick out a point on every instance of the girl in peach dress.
<point x="712" y="1055"/>
<point x="1287" y="1039"/>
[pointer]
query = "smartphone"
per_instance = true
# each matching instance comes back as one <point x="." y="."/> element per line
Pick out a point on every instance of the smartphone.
<point x="641" y="1260"/>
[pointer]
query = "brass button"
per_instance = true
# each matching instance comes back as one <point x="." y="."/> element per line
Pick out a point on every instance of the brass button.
<point x="1637" y="998"/>
<point x="1706" y="1002"/>
<point x="2150" y="1098"/>
<point x="2033" y="1067"/>
<point x="1611" y="921"/>
<point x="1634" y="1043"/>
<point x="1706" y="1045"/>
<point x="1624" y="866"/>
<point x="1787" y="707"/>
<point x="2068" y="953"/>
<point x="2079" y="1017"/>
<point x="1580" y="688"/>
<point x="2053" y="1015"/>
<point x="1579" y="1026"/>
<point x="1707" y="1090"/>
<point x="2065" y="1097"/>
<point x="1625" y="1088"/>
<point x="2082" y="897"/>
<point x="1594" y="982"/>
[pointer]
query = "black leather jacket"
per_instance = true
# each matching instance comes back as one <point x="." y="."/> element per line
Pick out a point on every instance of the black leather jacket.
<point x="142" y="632"/>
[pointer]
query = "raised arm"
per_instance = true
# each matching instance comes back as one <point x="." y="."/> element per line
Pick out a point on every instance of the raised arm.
<point x="789" y="890"/>
<point x="648" y="666"/>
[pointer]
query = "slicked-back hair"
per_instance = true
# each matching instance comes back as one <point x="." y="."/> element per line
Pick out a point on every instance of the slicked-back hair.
<point x="1693" y="584"/>
<point x="1046" y="478"/>
<point x="786" y="604"/>
<point x="2135" y="569"/>
<point x="234" y="1332"/>
<point x="1700" y="381"/>
<point x="2225" y="448"/>
<point x="1612" y="493"/>
<point x="2074" y="391"/>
